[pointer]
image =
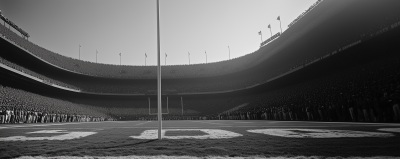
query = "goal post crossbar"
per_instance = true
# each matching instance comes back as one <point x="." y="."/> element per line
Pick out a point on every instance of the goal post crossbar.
<point x="167" y="107"/>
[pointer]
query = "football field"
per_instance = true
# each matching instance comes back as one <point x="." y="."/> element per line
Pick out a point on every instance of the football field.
<point x="200" y="138"/>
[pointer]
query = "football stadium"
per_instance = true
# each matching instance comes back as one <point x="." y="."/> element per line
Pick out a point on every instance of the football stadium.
<point x="324" y="84"/>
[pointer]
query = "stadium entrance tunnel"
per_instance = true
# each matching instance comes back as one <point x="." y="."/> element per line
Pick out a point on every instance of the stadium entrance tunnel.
<point x="208" y="134"/>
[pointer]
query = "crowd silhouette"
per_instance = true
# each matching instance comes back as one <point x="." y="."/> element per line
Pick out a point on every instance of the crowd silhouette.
<point x="18" y="106"/>
<point x="368" y="93"/>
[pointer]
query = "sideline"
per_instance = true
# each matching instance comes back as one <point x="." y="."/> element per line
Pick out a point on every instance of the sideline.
<point x="36" y="125"/>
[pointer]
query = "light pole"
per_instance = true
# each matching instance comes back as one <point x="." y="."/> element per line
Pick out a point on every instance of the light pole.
<point x="79" y="51"/>
<point x="189" y="57"/>
<point x="120" y="59"/>
<point x="229" y="53"/>
<point x="96" y="56"/>
<point x="206" y="55"/>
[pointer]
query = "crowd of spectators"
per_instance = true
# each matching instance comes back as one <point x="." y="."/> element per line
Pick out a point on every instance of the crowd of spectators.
<point x="44" y="79"/>
<point x="139" y="72"/>
<point x="18" y="106"/>
<point x="228" y="85"/>
<point x="138" y="108"/>
<point x="175" y="71"/>
<point x="368" y="93"/>
<point x="12" y="24"/>
<point x="116" y="71"/>
<point x="269" y="74"/>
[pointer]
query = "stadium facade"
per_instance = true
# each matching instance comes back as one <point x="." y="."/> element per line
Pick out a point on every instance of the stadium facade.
<point x="332" y="38"/>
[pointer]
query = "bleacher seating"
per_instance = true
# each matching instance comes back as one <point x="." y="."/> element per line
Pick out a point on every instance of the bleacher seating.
<point x="34" y="74"/>
<point x="371" y="91"/>
<point x="117" y="71"/>
<point x="37" y="108"/>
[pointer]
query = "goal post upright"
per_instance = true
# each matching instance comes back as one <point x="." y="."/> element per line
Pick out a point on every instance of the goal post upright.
<point x="182" y="104"/>
<point x="159" y="74"/>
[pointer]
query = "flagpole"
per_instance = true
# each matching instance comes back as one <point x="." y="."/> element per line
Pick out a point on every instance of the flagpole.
<point x="159" y="74"/>
<point x="189" y="57"/>
<point x="145" y="58"/>
<point x="165" y="59"/>
<point x="280" y="23"/>
<point x="96" y="56"/>
<point x="120" y="59"/>
<point x="79" y="51"/>
<point x="182" y="104"/>
<point x="269" y="26"/>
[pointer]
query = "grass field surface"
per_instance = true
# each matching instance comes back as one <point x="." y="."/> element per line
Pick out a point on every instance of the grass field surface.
<point x="206" y="139"/>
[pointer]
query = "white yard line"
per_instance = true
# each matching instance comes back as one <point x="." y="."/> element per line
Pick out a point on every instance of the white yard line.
<point x="396" y="130"/>
<point x="35" y="125"/>
<point x="209" y="134"/>
<point x="63" y="135"/>
<point x="207" y="122"/>
<point x="203" y="157"/>
<point x="318" y="133"/>
<point x="142" y="123"/>
<point x="349" y="123"/>
<point x="188" y="127"/>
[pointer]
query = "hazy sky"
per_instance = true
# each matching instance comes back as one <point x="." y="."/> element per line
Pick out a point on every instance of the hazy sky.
<point x="129" y="27"/>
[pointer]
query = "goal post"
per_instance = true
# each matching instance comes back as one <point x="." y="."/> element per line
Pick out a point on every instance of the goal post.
<point x="182" y="104"/>
<point x="159" y="74"/>
<point x="150" y="113"/>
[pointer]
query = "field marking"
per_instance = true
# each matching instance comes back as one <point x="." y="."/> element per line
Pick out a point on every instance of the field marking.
<point x="318" y="133"/>
<point x="244" y="122"/>
<point x="35" y="125"/>
<point x="208" y="122"/>
<point x="133" y="121"/>
<point x="397" y="130"/>
<point x="10" y="127"/>
<point x="173" y="127"/>
<point x="210" y="134"/>
<point x="203" y="157"/>
<point x="142" y="123"/>
<point x="67" y="136"/>
<point x="355" y="123"/>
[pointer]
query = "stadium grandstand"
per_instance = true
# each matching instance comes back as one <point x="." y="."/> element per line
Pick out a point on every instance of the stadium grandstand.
<point x="321" y="69"/>
<point x="192" y="80"/>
